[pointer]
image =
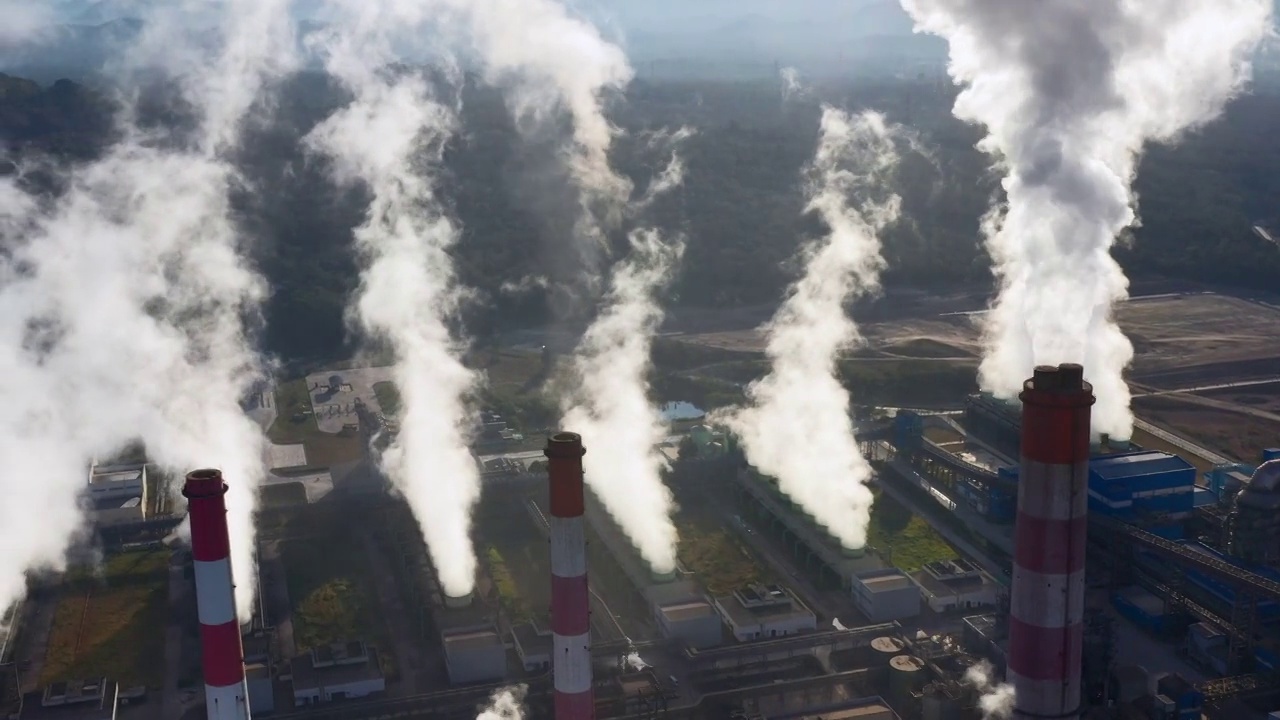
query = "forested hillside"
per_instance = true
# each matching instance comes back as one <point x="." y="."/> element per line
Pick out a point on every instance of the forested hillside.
<point x="740" y="208"/>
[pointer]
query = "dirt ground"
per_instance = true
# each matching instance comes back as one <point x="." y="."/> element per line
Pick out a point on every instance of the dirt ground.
<point x="1233" y="434"/>
<point x="1179" y="340"/>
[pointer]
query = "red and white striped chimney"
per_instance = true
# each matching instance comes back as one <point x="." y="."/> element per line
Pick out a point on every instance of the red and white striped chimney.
<point x="222" y="653"/>
<point x="1046" y="613"/>
<point x="570" y="608"/>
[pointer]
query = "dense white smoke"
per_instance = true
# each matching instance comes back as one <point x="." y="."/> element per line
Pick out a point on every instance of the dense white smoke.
<point x="1070" y="91"/>
<point x="505" y="704"/>
<point x="22" y="18"/>
<point x="391" y="138"/>
<point x="552" y="64"/>
<point x="124" y="301"/>
<point x="798" y="427"/>
<point x="612" y="363"/>
<point x="996" y="700"/>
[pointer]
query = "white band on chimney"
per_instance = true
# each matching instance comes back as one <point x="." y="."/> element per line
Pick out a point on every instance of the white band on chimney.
<point x="573" y="663"/>
<point x="226" y="703"/>
<point x="214" y="592"/>
<point x="568" y="540"/>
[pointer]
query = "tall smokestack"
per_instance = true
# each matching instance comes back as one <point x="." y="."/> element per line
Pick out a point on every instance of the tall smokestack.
<point x="222" y="655"/>
<point x="1046" y="615"/>
<point x="570" y="608"/>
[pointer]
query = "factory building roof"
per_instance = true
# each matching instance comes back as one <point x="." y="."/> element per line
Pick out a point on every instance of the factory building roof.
<point x="760" y="604"/>
<point x="307" y="675"/>
<point x="468" y="641"/>
<point x="886" y="580"/>
<point x="870" y="711"/>
<point x="73" y="700"/>
<point x="687" y="611"/>
<point x="1136" y="464"/>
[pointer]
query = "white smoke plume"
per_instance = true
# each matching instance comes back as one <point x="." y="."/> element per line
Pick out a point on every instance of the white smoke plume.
<point x="792" y="87"/>
<point x="996" y="700"/>
<point x="553" y="64"/>
<point x="22" y="20"/>
<point x="801" y="403"/>
<point x="552" y="61"/>
<point x="1070" y="92"/>
<point x="124" y="301"/>
<point x="391" y="139"/>
<point x="612" y="363"/>
<point x="505" y="704"/>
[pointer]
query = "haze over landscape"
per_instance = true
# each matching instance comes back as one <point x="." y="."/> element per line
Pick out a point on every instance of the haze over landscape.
<point x="367" y="256"/>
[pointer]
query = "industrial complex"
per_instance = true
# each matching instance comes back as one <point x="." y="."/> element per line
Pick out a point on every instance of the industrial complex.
<point x="1093" y="576"/>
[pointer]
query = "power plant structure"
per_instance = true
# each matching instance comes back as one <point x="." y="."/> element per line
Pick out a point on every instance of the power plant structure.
<point x="570" y="599"/>
<point x="1046" y="608"/>
<point x="222" y="654"/>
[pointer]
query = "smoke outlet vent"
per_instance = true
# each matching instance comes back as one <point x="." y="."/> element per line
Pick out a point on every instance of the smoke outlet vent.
<point x="457" y="602"/>
<point x="853" y="552"/>
<point x="662" y="577"/>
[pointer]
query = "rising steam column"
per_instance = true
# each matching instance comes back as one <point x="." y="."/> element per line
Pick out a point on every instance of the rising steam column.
<point x="1046" y="611"/>
<point x="222" y="654"/>
<point x="570" y="609"/>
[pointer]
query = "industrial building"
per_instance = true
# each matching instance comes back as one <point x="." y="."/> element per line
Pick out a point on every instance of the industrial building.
<point x="764" y="611"/>
<point x="94" y="699"/>
<point x="117" y="494"/>
<point x="885" y="595"/>
<point x="695" y="622"/>
<point x="533" y="646"/>
<point x="679" y="607"/>
<point x="474" y="656"/>
<point x="336" y="672"/>
<point x="954" y="584"/>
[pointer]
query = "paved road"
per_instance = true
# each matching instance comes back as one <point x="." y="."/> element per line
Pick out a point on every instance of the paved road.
<point x="1207" y="388"/>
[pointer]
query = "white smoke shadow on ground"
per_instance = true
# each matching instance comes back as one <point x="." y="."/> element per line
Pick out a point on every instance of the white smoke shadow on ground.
<point x="505" y="704"/>
<point x="797" y="427"/>
<point x="996" y="700"/>
<point x="125" y="297"/>
<point x="391" y="138"/>
<point x="1070" y="92"/>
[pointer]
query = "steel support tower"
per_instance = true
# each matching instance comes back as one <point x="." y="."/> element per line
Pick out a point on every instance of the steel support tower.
<point x="222" y="654"/>
<point x="570" y="602"/>
<point x="1046" y="612"/>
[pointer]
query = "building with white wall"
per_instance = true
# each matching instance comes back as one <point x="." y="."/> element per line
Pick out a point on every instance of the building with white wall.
<point x="954" y="584"/>
<point x="885" y="595"/>
<point x="117" y="494"/>
<point x="764" y="611"/>
<point x="336" y="672"/>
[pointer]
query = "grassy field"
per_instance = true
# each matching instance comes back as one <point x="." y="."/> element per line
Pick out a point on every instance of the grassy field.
<point x="331" y="591"/>
<point x="508" y="594"/>
<point x="712" y="551"/>
<point x="112" y="625"/>
<point x="296" y="424"/>
<point x="907" y="542"/>
<point x="388" y="398"/>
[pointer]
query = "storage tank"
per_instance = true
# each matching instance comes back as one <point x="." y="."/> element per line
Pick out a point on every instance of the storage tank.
<point x="887" y="647"/>
<point x="906" y="675"/>
<point x="701" y="435"/>
<point x="1255" y="517"/>
<point x="940" y="703"/>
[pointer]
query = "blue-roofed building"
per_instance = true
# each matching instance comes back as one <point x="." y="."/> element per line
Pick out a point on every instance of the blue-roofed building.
<point x="1144" y="483"/>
